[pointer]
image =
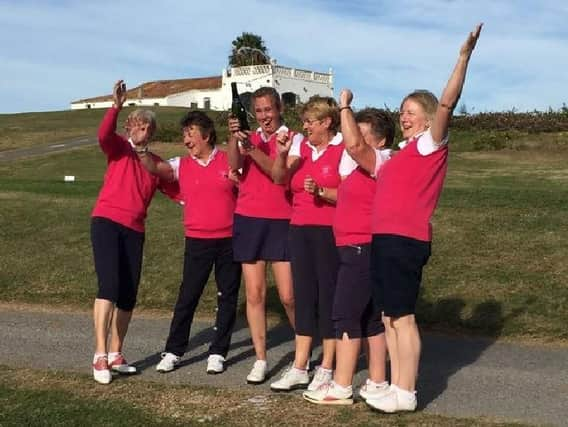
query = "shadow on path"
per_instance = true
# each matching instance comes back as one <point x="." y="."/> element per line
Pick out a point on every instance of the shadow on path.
<point x="443" y="356"/>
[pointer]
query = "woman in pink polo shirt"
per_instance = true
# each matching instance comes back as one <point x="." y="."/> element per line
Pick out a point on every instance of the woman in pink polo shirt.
<point x="408" y="189"/>
<point x="312" y="168"/>
<point x="117" y="231"/>
<point x="208" y="193"/>
<point x="355" y="317"/>
<point x="262" y="218"/>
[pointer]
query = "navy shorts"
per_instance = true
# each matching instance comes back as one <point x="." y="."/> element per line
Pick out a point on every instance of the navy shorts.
<point x="396" y="273"/>
<point x="353" y="310"/>
<point x="260" y="239"/>
<point x="315" y="262"/>
<point x="118" y="261"/>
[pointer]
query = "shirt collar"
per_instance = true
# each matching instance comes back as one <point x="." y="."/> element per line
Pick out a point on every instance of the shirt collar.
<point x="404" y="143"/>
<point x="209" y="159"/>
<point x="336" y="140"/>
<point x="263" y="137"/>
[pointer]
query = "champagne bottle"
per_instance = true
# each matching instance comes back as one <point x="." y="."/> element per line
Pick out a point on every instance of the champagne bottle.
<point x="238" y="109"/>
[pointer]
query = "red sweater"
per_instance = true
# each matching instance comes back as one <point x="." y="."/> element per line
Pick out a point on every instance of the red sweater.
<point x="259" y="196"/>
<point x="352" y="223"/>
<point x="307" y="208"/>
<point x="209" y="197"/>
<point x="408" y="189"/>
<point x="127" y="186"/>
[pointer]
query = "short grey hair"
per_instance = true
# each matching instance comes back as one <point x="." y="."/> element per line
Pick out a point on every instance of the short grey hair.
<point x="145" y="116"/>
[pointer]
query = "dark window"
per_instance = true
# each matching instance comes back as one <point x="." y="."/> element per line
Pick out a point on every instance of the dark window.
<point x="289" y="99"/>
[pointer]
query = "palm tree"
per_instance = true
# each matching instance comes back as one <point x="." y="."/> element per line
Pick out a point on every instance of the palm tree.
<point x="248" y="49"/>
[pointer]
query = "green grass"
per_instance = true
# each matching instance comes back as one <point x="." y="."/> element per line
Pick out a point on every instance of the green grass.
<point x="498" y="269"/>
<point x="25" y="130"/>
<point x="30" y="407"/>
<point x="44" y="399"/>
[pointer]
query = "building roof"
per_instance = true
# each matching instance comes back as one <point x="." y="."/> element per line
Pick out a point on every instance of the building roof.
<point x="163" y="88"/>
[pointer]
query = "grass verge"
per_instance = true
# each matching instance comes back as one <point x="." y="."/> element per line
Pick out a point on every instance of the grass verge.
<point x="29" y="397"/>
<point x="497" y="269"/>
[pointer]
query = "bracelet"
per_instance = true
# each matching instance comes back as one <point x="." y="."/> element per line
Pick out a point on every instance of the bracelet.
<point x="321" y="191"/>
<point x="344" y="108"/>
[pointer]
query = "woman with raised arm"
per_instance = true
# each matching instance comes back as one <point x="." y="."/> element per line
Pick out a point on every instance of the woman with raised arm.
<point x="208" y="193"/>
<point x="262" y="218"/>
<point x="117" y="231"/>
<point x="408" y="189"/>
<point x="311" y="167"/>
<point x="355" y="317"/>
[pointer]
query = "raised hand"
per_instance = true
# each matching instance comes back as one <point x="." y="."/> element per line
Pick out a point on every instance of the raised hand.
<point x="283" y="142"/>
<point x="345" y="98"/>
<point x="119" y="93"/>
<point x="470" y="42"/>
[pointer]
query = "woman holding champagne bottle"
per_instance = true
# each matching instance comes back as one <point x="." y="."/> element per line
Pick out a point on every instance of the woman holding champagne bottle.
<point x="262" y="217"/>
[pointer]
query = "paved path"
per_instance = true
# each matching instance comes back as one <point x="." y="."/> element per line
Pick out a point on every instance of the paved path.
<point x="19" y="153"/>
<point x="458" y="376"/>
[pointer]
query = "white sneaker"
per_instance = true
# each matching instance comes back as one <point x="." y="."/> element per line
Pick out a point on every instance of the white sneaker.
<point x="396" y="400"/>
<point x="321" y="377"/>
<point x="168" y="362"/>
<point x="330" y="394"/>
<point x="258" y="372"/>
<point x="373" y="390"/>
<point x="101" y="371"/>
<point x="215" y="364"/>
<point x="292" y="378"/>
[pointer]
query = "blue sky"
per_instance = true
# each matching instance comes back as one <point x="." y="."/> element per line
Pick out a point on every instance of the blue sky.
<point x="57" y="51"/>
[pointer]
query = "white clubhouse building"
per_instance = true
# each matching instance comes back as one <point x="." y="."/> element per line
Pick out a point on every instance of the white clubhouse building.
<point x="214" y="93"/>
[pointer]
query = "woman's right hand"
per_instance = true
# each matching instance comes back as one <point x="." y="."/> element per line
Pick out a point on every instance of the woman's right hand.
<point x="234" y="125"/>
<point x="283" y="142"/>
<point x="119" y="94"/>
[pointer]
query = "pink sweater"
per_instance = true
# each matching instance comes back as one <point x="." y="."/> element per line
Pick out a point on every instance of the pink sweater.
<point x="127" y="187"/>
<point x="209" y="197"/>
<point x="408" y="189"/>
<point x="259" y="196"/>
<point x="307" y="208"/>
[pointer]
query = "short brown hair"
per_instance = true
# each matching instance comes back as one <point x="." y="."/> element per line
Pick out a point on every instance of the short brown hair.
<point x="203" y="122"/>
<point x="380" y="121"/>
<point x="322" y="107"/>
<point x="426" y="99"/>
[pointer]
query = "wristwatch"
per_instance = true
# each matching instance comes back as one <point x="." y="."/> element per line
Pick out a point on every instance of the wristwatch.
<point x="321" y="191"/>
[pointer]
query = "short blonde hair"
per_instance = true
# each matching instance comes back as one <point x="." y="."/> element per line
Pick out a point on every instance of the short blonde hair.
<point x="322" y="107"/>
<point x="426" y="99"/>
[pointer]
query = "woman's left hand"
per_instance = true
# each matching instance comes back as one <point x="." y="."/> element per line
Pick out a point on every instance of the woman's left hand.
<point x="310" y="185"/>
<point x="471" y="41"/>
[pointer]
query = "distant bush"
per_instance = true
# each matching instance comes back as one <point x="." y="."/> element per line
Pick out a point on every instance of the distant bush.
<point x="533" y="122"/>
